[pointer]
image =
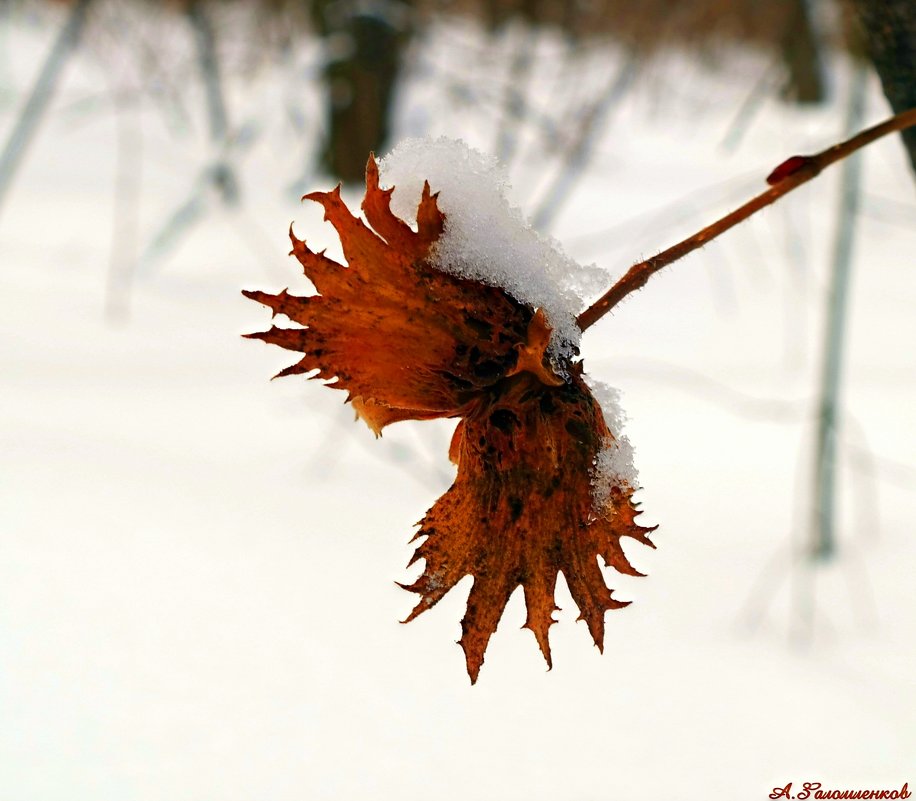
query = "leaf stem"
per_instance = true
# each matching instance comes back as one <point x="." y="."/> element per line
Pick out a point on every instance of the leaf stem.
<point x="789" y="175"/>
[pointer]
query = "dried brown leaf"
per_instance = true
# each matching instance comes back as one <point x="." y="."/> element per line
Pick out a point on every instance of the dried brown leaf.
<point x="409" y="341"/>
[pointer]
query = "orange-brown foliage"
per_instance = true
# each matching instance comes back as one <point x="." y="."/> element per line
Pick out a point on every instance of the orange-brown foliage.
<point x="407" y="341"/>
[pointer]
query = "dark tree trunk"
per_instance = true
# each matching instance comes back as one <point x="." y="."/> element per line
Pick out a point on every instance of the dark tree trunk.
<point x="802" y="56"/>
<point x="889" y="33"/>
<point x="365" y="45"/>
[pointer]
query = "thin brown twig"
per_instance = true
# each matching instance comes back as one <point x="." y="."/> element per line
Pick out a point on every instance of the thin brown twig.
<point x="789" y="175"/>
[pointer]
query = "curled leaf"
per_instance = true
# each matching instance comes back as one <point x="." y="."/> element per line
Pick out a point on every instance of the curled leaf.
<point x="405" y="340"/>
<point x="521" y="511"/>
<point x="408" y="341"/>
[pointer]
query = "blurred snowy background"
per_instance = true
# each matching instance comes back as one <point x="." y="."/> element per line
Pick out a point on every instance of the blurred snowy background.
<point x="197" y="566"/>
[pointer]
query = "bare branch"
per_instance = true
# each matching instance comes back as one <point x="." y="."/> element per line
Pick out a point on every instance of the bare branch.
<point x="789" y="175"/>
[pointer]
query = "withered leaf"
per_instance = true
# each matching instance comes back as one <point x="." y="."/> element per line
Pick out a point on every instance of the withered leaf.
<point x="409" y="341"/>
<point x="405" y="340"/>
<point x="521" y="511"/>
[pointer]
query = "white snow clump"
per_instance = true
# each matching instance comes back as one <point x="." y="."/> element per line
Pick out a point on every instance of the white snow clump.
<point x="487" y="239"/>
<point x="614" y="462"/>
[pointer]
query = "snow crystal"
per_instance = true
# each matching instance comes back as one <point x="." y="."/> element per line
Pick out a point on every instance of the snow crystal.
<point x="486" y="238"/>
<point x="614" y="463"/>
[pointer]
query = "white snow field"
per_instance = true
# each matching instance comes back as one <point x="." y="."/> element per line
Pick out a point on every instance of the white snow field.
<point x="198" y="565"/>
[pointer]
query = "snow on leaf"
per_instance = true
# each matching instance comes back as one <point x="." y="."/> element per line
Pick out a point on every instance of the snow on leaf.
<point x="486" y="238"/>
<point x="409" y="341"/>
<point x="613" y="465"/>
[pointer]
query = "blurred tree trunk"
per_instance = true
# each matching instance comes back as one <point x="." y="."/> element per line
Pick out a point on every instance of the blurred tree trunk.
<point x="889" y="32"/>
<point x="221" y="173"/>
<point x="802" y="57"/>
<point x="41" y="94"/>
<point x="364" y="46"/>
